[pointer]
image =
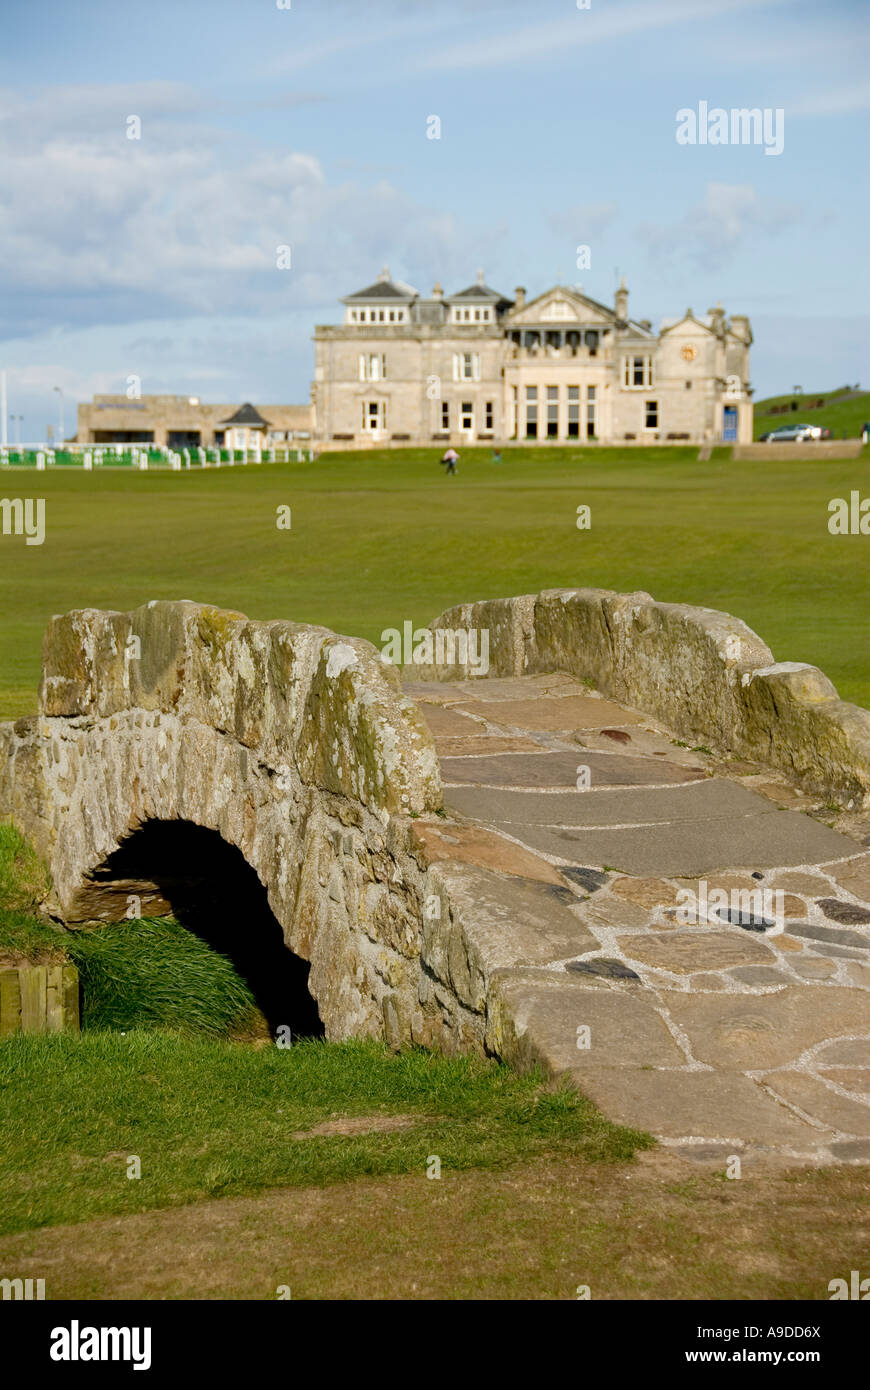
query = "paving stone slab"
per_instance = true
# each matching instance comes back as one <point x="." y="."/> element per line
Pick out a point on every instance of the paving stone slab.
<point x="482" y="743"/>
<point x="855" y="1079"/>
<point x="643" y="806"/>
<point x="815" y="968"/>
<point x="685" y="849"/>
<point x="516" y="688"/>
<point x="852" y="1150"/>
<point x="809" y="885"/>
<point x="694" y="1105"/>
<point x="589" y="879"/>
<point x="845" y="1052"/>
<point x="428" y="693"/>
<point x="613" y="912"/>
<point x="555" y="769"/>
<point x="756" y="1032"/>
<point x="469" y="844"/>
<point x="442" y="719"/>
<point x="683" y="953"/>
<point x="567" y="712"/>
<point x="854" y="875"/>
<point x="516" y="921"/>
<point x="847" y="914"/>
<point x="818" y="1100"/>
<point x="606" y="967"/>
<point x="760" y="975"/>
<point x="838" y="936"/>
<point x="623" y="1029"/>
<point x="646" y="892"/>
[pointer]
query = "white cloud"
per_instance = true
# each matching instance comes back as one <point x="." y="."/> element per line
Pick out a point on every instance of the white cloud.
<point x="584" y="222"/>
<point x="708" y="235"/>
<point x="96" y="227"/>
<point x="833" y="101"/>
<point x="586" y="27"/>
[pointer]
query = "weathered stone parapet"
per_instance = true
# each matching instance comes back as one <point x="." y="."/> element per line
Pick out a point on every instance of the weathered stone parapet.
<point x="706" y="674"/>
<point x="295" y="745"/>
<point x="300" y="696"/>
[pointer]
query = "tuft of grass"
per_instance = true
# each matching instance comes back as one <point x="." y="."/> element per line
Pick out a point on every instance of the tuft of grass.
<point x="209" y="1118"/>
<point x="148" y="973"/>
<point x="154" y="973"/>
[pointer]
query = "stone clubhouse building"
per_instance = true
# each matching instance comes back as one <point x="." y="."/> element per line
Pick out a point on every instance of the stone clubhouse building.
<point x="477" y="366"/>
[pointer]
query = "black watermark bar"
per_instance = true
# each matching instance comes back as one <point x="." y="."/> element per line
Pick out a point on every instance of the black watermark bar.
<point x="149" y="1339"/>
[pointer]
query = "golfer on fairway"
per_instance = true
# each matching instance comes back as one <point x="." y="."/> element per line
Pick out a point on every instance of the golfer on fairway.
<point x="450" y="458"/>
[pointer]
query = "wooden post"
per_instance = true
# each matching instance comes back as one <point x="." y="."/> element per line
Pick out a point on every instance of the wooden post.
<point x="10" y="1002"/>
<point x="39" y="999"/>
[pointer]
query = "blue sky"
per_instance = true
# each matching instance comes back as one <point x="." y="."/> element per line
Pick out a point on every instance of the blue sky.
<point x="307" y="127"/>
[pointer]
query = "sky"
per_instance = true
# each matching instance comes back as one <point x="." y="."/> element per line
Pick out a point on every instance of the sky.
<point x="305" y="124"/>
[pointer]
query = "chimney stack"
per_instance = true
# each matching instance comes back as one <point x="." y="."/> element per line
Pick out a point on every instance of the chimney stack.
<point x="438" y="293"/>
<point x="620" y="301"/>
<point x="520" y="300"/>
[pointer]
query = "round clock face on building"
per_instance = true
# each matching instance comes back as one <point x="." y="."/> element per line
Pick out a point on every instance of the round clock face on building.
<point x="688" y="353"/>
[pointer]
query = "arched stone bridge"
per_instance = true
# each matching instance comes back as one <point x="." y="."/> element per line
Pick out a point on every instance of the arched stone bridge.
<point x="495" y="864"/>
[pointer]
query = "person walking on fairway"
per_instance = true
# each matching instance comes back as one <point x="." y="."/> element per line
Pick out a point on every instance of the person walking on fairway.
<point x="450" y="458"/>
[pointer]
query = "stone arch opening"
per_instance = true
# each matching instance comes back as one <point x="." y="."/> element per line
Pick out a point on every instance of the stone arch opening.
<point x="206" y="883"/>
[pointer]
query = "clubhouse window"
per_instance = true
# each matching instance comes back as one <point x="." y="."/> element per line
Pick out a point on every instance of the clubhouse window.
<point x="591" y="410"/>
<point x="467" y="415"/>
<point x="489" y="414"/>
<point x="445" y="415"/>
<point x="651" y="415"/>
<point x="637" y="371"/>
<point x="374" y="415"/>
<point x="552" y="412"/>
<point x="573" y="412"/>
<point x="372" y="366"/>
<point x="531" y="412"/>
<point x="466" y="366"/>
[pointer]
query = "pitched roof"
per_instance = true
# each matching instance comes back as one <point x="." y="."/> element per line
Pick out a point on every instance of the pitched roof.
<point x="246" y="414"/>
<point x="384" y="288"/>
<point x="480" y="292"/>
<point x="566" y="292"/>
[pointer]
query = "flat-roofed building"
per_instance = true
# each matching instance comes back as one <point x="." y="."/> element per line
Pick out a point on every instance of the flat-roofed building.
<point x="180" y="422"/>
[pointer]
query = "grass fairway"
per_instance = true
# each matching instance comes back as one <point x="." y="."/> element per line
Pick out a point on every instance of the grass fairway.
<point x="218" y="1119"/>
<point x="380" y="538"/>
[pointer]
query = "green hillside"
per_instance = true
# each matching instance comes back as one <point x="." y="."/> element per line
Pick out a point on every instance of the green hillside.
<point x="844" y="411"/>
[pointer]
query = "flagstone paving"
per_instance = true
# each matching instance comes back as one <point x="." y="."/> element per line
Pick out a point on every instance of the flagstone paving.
<point x="739" y="1032"/>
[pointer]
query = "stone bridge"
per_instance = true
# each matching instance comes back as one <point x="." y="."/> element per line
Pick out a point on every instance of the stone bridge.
<point x="498" y="864"/>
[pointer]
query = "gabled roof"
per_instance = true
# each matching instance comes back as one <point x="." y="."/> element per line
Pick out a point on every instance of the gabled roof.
<point x="483" y="294"/>
<point x="577" y="297"/>
<point x="383" y="288"/>
<point x="703" y="321"/>
<point x="246" y="414"/>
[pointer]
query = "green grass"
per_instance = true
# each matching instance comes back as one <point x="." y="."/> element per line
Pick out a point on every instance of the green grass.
<point x="845" y="411"/>
<point x="378" y="538"/>
<point x="152" y="1074"/>
<point x="214" y="1118"/>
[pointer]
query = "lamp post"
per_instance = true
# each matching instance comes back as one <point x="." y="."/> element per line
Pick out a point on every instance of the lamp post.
<point x="60" y="415"/>
<point x="17" y="419"/>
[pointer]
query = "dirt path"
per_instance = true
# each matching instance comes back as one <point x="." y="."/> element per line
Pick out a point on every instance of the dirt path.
<point x="539" y="1231"/>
